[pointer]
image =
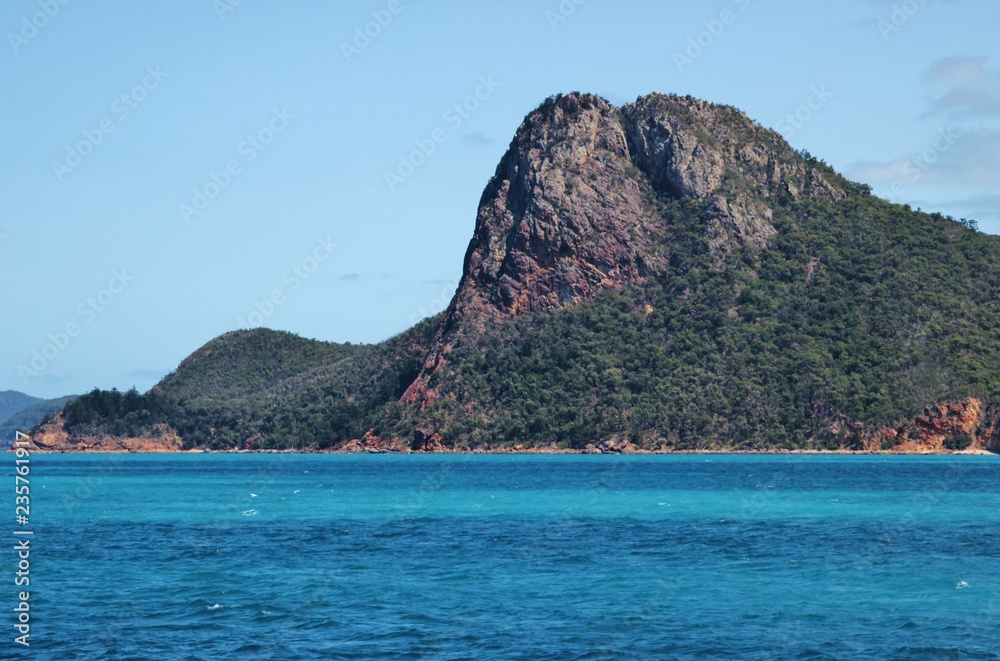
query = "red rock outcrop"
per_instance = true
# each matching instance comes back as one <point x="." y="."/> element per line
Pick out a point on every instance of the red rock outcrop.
<point x="611" y="447"/>
<point x="52" y="437"/>
<point x="929" y="430"/>
<point x="370" y="443"/>
<point x="425" y="440"/>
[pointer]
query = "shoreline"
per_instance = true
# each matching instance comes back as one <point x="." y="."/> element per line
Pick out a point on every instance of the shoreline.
<point x="531" y="452"/>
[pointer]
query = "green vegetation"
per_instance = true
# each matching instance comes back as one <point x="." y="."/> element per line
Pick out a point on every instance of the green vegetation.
<point x="112" y="413"/>
<point x="242" y="363"/>
<point x="958" y="443"/>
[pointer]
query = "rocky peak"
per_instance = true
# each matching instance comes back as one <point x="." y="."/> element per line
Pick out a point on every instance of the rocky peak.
<point x="700" y="150"/>
<point x="555" y="222"/>
<point x="565" y="214"/>
<point x="568" y="212"/>
<point x="714" y="153"/>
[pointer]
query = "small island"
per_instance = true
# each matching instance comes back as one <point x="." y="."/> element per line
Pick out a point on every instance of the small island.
<point x="664" y="276"/>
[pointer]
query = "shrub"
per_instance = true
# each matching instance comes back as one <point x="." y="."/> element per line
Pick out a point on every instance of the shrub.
<point x="958" y="442"/>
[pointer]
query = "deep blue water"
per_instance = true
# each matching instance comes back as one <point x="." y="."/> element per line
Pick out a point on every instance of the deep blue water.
<point x="509" y="557"/>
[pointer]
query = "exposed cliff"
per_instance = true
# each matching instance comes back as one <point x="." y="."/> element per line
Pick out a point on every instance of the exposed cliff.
<point x="567" y="212"/>
<point x="940" y="427"/>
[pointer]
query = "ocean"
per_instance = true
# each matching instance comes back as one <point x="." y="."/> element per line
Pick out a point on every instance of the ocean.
<point x="285" y="556"/>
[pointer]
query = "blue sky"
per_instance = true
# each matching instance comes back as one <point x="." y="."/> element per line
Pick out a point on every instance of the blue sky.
<point x="173" y="171"/>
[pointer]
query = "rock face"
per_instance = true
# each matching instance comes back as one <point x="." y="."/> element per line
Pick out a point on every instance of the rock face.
<point x="52" y="437"/>
<point x="571" y="208"/>
<point x="991" y="435"/>
<point x="369" y="443"/>
<point x="929" y="431"/>
<point x="610" y="447"/>
<point x="690" y="147"/>
<point x="565" y="214"/>
<point x="555" y="223"/>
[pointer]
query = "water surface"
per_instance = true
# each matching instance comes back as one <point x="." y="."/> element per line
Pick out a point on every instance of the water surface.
<point x="511" y="557"/>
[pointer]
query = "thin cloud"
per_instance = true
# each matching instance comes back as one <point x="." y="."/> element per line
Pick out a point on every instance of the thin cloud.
<point x="954" y="70"/>
<point x="984" y="208"/>
<point x="957" y="157"/>
<point x="476" y="138"/>
<point x="958" y="167"/>
<point x="54" y="379"/>
<point x="963" y="87"/>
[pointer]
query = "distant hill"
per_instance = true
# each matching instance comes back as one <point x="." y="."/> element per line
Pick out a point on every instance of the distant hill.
<point x="12" y="401"/>
<point x="667" y="275"/>
<point x="26" y="418"/>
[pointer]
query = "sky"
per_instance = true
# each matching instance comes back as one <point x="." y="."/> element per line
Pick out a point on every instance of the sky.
<point x="173" y="171"/>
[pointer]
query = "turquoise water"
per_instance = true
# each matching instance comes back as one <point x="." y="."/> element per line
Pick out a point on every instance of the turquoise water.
<point x="510" y="557"/>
